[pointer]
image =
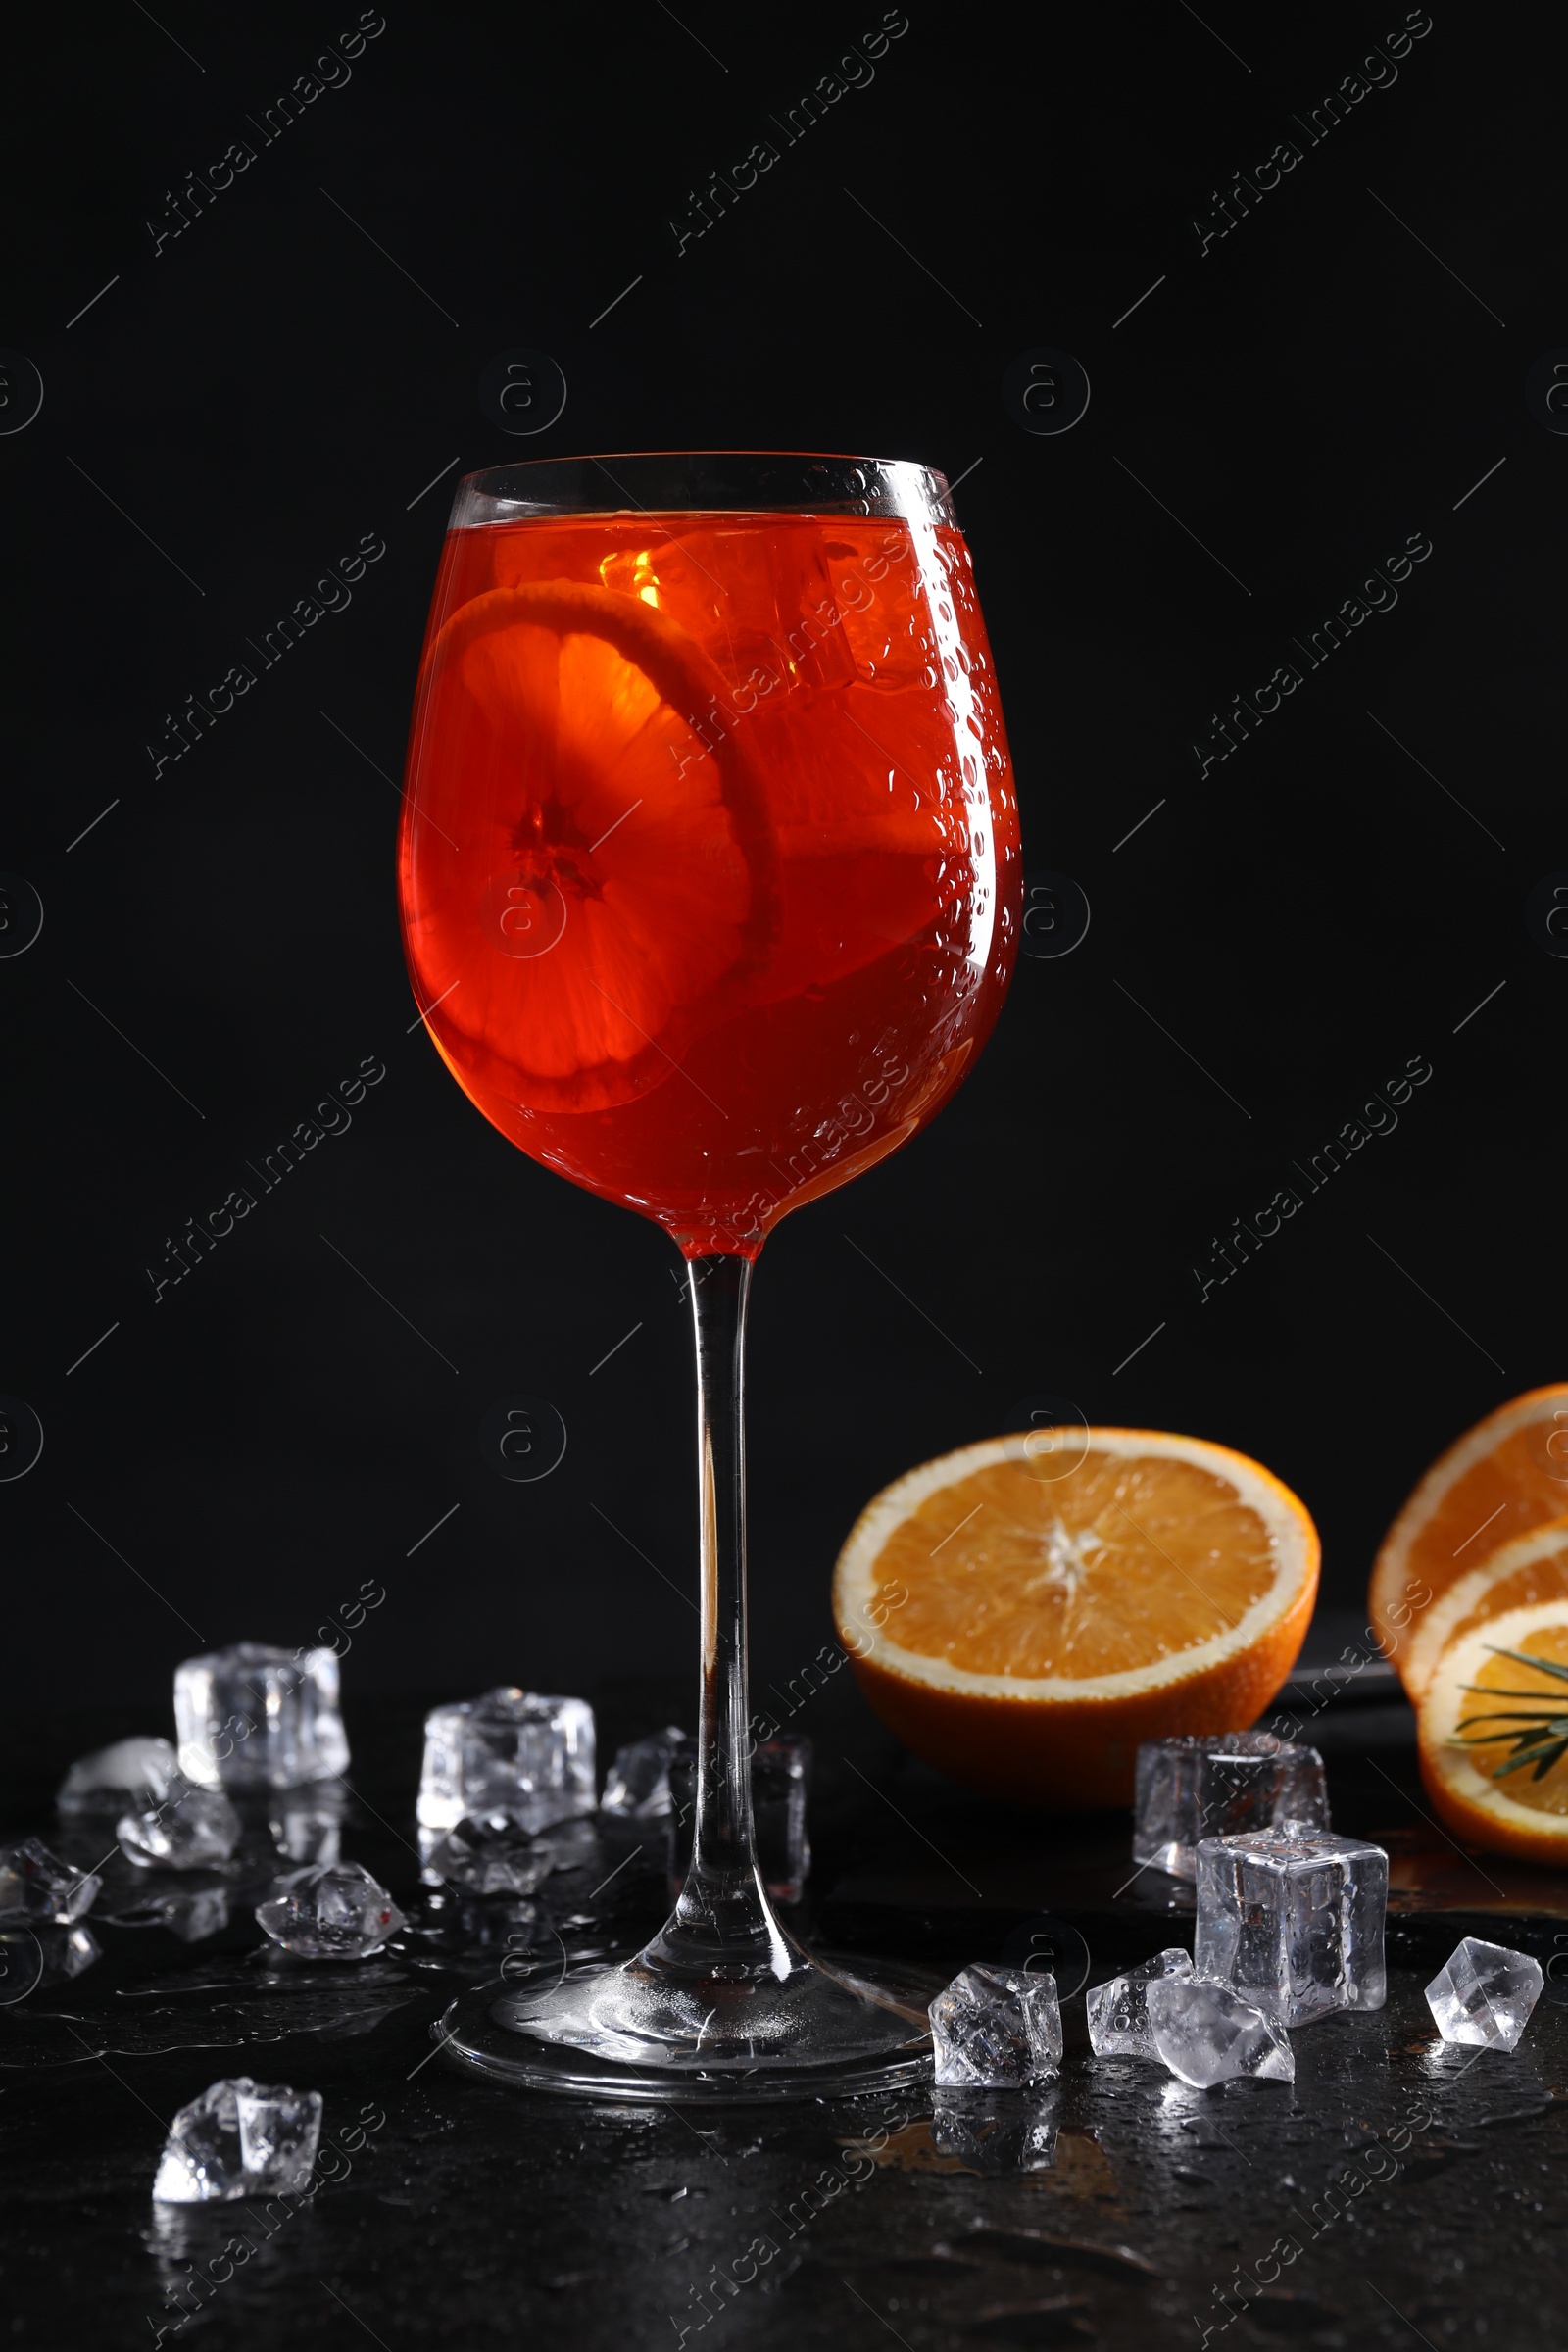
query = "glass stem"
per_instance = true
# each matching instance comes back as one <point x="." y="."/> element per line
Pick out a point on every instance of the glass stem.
<point x="722" y="1918"/>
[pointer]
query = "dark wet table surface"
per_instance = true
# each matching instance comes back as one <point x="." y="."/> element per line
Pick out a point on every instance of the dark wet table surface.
<point x="1399" y="2192"/>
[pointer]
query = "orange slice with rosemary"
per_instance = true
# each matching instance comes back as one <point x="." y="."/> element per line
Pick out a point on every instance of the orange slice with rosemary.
<point x="1493" y="1733"/>
<point x="1504" y="1478"/>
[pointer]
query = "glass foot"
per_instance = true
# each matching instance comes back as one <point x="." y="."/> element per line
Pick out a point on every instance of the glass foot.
<point x="813" y="2028"/>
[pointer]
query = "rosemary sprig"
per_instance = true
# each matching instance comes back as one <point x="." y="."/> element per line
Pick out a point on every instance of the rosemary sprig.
<point x="1544" y="1741"/>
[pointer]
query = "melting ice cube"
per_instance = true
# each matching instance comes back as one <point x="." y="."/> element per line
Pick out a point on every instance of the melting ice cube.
<point x="253" y="1717"/>
<point x="1217" y="1786"/>
<point x="520" y="1753"/>
<point x="997" y="2028"/>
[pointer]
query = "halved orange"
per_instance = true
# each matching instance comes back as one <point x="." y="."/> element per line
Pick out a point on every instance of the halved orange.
<point x="1529" y="1568"/>
<point x="1493" y="1733"/>
<point x="1023" y="1622"/>
<point x="1503" y="1478"/>
<point x="593" y="875"/>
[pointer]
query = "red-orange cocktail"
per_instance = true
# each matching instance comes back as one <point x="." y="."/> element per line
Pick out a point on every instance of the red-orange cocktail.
<point x="710" y="864"/>
<point x="709" y="883"/>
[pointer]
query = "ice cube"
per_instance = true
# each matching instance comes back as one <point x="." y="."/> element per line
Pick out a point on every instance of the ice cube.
<point x="1485" y="1994"/>
<point x="114" y="1779"/>
<point x="35" y="1883"/>
<point x="1206" y="2032"/>
<point x="781" y="1777"/>
<point x="1293" y="1917"/>
<point x="1118" y="2015"/>
<point x="1217" y="1786"/>
<point x="189" y="1829"/>
<point x="638" y="1781"/>
<point x="997" y="2028"/>
<point x="781" y="1772"/>
<point x="491" y="1856"/>
<point x="511" y="1751"/>
<point x="331" y="1911"/>
<point x="239" y="2139"/>
<point x="253" y="1717"/>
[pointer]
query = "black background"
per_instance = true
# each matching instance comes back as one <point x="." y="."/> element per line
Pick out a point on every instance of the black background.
<point x="271" y="385"/>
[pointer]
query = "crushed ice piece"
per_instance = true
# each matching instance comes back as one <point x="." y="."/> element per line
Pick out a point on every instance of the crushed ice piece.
<point x="1217" y="1786"/>
<point x="253" y="1717"/>
<point x="637" y="1784"/>
<point x="35" y="1883"/>
<point x="331" y="1911"/>
<point x="1485" y="1993"/>
<point x="240" y="2139"/>
<point x="996" y="2028"/>
<point x="189" y="1829"/>
<point x="119" y="1779"/>
<point x="520" y="1753"/>
<point x="1292" y="1917"/>
<point x="492" y="1856"/>
<point x="1206" y="2032"/>
<point x="781" y="1774"/>
<point x="1118" y="2015"/>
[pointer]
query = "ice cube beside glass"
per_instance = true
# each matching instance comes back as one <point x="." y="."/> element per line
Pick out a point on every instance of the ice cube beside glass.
<point x="1483" y="1993"/>
<point x="637" y="1784"/>
<point x="781" y="1775"/>
<point x="996" y="2028"/>
<point x="1118" y="2012"/>
<point x="1294" y="1919"/>
<point x="520" y="1753"/>
<point x="1216" y="1785"/>
<point x="1208" y="2032"/>
<point x="253" y="1717"/>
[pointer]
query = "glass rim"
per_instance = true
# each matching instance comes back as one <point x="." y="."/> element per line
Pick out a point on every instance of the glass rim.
<point x="658" y="483"/>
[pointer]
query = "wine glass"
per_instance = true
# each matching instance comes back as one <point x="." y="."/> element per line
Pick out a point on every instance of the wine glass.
<point x="709" y="874"/>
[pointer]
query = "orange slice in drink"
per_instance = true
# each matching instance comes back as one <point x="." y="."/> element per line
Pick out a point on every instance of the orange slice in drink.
<point x="595" y="879"/>
<point x="1530" y="1568"/>
<point x="1504" y="1478"/>
<point x="1493" y="1733"/>
<point x="1022" y="1619"/>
